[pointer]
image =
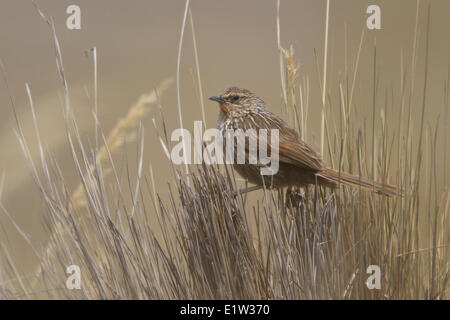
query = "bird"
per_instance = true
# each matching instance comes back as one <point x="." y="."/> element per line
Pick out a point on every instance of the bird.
<point x="299" y="164"/>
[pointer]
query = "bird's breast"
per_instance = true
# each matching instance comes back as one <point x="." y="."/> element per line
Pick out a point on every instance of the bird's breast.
<point x="224" y="108"/>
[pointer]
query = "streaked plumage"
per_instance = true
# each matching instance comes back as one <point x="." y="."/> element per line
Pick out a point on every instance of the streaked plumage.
<point x="299" y="164"/>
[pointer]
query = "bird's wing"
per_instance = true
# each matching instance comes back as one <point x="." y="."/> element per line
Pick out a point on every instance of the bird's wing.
<point x="291" y="149"/>
<point x="294" y="151"/>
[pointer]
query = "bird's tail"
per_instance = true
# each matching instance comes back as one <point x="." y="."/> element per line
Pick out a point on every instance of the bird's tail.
<point x="336" y="177"/>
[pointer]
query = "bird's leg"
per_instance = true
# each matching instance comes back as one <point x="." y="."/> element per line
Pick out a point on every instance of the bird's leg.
<point x="247" y="190"/>
<point x="294" y="196"/>
<point x="306" y="193"/>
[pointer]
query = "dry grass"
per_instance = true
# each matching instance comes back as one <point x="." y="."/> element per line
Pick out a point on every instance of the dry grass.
<point x="209" y="243"/>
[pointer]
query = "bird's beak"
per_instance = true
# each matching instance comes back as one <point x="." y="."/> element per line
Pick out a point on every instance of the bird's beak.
<point x="216" y="98"/>
<point x="224" y="106"/>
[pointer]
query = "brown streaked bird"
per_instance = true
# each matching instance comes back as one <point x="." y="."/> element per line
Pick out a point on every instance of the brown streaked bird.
<point x="299" y="164"/>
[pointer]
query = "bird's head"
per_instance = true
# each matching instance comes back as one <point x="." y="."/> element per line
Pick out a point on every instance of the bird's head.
<point x="237" y="99"/>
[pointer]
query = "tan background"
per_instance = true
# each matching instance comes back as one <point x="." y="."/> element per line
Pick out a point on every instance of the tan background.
<point x="137" y="45"/>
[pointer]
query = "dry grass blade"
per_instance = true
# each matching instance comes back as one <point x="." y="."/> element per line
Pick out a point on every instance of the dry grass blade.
<point x="121" y="132"/>
<point x="201" y="239"/>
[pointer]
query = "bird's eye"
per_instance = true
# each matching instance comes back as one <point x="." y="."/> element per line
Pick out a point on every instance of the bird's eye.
<point x="235" y="98"/>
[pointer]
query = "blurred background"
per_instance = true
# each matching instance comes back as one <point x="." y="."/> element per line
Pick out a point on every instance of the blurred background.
<point x="137" y="43"/>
